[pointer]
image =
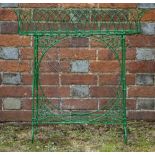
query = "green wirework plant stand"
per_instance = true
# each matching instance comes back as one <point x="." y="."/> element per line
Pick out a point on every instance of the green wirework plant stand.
<point x="51" y="26"/>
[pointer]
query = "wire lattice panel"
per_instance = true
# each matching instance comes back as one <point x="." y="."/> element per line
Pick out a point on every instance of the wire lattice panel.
<point x="51" y="27"/>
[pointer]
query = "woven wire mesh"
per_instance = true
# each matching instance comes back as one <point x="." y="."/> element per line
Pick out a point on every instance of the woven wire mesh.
<point x="72" y="21"/>
<point x="51" y="26"/>
<point x="50" y="113"/>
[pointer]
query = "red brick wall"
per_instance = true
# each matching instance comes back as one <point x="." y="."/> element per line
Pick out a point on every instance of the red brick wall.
<point x="16" y="54"/>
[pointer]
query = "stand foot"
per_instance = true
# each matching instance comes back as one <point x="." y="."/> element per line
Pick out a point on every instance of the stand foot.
<point x="125" y="133"/>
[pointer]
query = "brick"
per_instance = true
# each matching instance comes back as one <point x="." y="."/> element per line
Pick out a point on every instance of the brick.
<point x="45" y="79"/>
<point x="26" y="53"/>
<point x="52" y="54"/>
<point x="7" y="15"/>
<point x="15" y="91"/>
<point x="103" y="91"/>
<point x="109" y="79"/>
<point x="131" y="103"/>
<point x="9" y="53"/>
<point x="148" y="28"/>
<point x="57" y="91"/>
<point x="140" y="41"/>
<point x="26" y="103"/>
<point x="73" y="42"/>
<point x="11" y="116"/>
<point x="8" y="5"/>
<point x="105" y="54"/>
<point x="117" y="5"/>
<point x="79" y="42"/>
<point x="149" y="15"/>
<point x="141" y="91"/>
<point x="141" y="67"/>
<point x="54" y="66"/>
<point x="144" y="79"/>
<point x="11" y="78"/>
<point x="79" y="104"/>
<point x="38" y="5"/>
<point x="0" y="79"/>
<point x="145" y="104"/>
<point x="15" y="40"/>
<point x="14" y="66"/>
<point x="80" y="91"/>
<point x="0" y="104"/>
<point x="80" y="66"/>
<point x="131" y="53"/>
<point x="104" y="66"/>
<point x="78" y="79"/>
<point x="78" y="5"/>
<point x="114" y="79"/>
<point x="145" y="53"/>
<point x="77" y="53"/>
<point x="11" y="104"/>
<point x="9" y="27"/>
<point x="146" y="5"/>
<point x="141" y="115"/>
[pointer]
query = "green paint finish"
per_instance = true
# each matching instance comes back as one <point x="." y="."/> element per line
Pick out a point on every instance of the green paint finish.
<point x="107" y="26"/>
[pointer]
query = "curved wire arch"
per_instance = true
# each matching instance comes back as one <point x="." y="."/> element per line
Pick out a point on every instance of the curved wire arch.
<point x="106" y="106"/>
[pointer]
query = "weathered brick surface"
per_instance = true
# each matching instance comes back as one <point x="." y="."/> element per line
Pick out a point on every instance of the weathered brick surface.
<point x="26" y="53"/>
<point x="11" y="104"/>
<point x="9" y="27"/>
<point x="11" y="78"/>
<point x="80" y="91"/>
<point x="141" y="91"/>
<point x="144" y="79"/>
<point x="14" y="66"/>
<point x="57" y="91"/>
<point x="117" y="5"/>
<point x="11" y="116"/>
<point x="145" y="54"/>
<point x="104" y="66"/>
<point x="140" y="41"/>
<point x="149" y="15"/>
<point x="78" y="54"/>
<point x="131" y="104"/>
<point x="38" y="5"/>
<point x="145" y="104"/>
<point x="141" y="67"/>
<point x="45" y="79"/>
<point x="114" y="79"/>
<point x="104" y="91"/>
<point x="146" y="5"/>
<point x="141" y="115"/>
<point x="148" y="28"/>
<point x="82" y="104"/>
<point x="0" y="104"/>
<point x="8" y="5"/>
<point x="9" y="53"/>
<point x="55" y="66"/>
<point x="79" y="5"/>
<point x="0" y="79"/>
<point x="78" y="79"/>
<point x="105" y="54"/>
<point x="80" y="66"/>
<point x="7" y="15"/>
<point x="14" y="40"/>
<point x="78" y="74"/>
<point x="15" y="91"/>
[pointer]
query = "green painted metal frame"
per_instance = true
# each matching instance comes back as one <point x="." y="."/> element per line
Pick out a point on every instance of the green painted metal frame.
<point x="49" y="27"/>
